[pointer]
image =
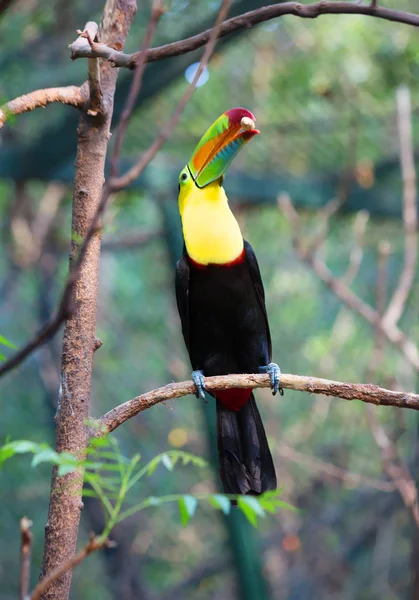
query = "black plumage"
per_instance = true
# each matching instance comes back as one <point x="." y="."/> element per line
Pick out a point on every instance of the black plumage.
<point x="226" y="330"/>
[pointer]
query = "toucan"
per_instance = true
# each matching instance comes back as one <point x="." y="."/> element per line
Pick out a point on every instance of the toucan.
<point x="221" y="303"/>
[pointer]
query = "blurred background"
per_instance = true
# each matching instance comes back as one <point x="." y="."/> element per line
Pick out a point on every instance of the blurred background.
<point x="324" y="94"/>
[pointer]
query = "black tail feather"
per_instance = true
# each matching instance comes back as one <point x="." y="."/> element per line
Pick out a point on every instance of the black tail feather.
<point x="245" y="461"/>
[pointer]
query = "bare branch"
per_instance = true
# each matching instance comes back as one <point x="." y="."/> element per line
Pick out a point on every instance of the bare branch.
<point x="93" y="75"/>
<point x="357" y="251"/>
<point x="395" y="467"/>
<point x="345" y="294"/>
<point x="43" y="335"/>
<point x="348" y="478"/>
<point x="247" y="21"/>
<point x="131" y="241"/>
<point x="393" y="464"/>
<point x="136" y="170"/>
<point x="81" y="292"/>
<point x="25" y="556"/>
<point x="369" y="393"/>
<point x="70" y="95"/>
<point x="157" y="11"/>
<point x="93" y="545"/>
<point x="410" y="217"/>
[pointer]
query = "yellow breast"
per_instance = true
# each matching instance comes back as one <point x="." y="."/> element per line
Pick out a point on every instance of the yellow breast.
<point x="212" y="234"/>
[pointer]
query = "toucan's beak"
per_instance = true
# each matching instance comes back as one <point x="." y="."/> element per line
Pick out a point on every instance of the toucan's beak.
<point x="220" y="144"/>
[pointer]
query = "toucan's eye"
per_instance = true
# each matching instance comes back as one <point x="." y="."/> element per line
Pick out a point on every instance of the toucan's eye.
<point x="184" y="177"/>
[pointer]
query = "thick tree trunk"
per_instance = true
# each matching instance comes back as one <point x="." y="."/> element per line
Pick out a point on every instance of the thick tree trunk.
<point x="79" y="335"/>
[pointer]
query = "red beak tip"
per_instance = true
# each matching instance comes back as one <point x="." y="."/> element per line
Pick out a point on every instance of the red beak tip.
<point x="235" y="115"/>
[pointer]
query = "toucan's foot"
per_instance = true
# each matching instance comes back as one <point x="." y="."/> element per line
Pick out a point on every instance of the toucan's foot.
<point x="274" y="373"/>
<point x="199" y="381"/>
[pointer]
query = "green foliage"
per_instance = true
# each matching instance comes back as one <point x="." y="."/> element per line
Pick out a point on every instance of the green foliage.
<point x="109" y="476"/>
<point x="5" y="342"/>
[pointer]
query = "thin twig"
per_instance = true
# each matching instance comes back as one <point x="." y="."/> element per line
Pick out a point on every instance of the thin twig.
<point x="93" y="68"/>
<point x="25" y="557"/>
<point x="394" y="466"/>
<point x="392" y="333"/>
<point x="357" y="250"/>
<point x="156" y="12"/>
<point x="348" y="478"/>
<point x="246" y="21"/>
<point x="64" y="309"/>
<point x="135" y="171"/>
<point x="43" y="335"/>
<point x="369" y="393"/>
<point x="93" y="545"/>
<point x="410" y="217"/>
<point x="70" y="95"/>
<point x="131" y="241"/>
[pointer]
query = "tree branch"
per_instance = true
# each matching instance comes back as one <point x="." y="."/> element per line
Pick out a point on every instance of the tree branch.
<point x="392" y="332"/>
<point x="93" y="545"/>
<point x="410" y="216"/>
<point x="116" y="184"/>
<point x="70" y="95"/>
<point x="365" y="392"/>
<point x="90" y="33"/>
<point x="348" y="478"/>
<point x="247" y="20"/>
<point x="25" y="556"/>
<point x="79" y="339"/>
<point x="135" y="171"/>
<point x="157" y="12"/>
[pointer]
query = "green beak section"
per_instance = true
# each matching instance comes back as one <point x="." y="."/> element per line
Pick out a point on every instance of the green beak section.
<point x="220" y="144"/>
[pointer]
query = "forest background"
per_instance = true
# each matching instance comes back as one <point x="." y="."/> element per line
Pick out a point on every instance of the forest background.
<point x="327" y="96"/>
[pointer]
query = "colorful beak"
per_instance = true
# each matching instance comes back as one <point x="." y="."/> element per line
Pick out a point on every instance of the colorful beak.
<point x="220" y="144"/>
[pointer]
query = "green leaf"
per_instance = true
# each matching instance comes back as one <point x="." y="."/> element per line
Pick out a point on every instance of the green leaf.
<point x="23" y="446"/>
<point x="221" y="502"/>
<point x="98" y="442"/>
<point x="2" y="357"/>
<point x="7" y="342"/>
<point x="167" y="461"/>
<point x="66" y="469"/>
<point x="270" y="502"/>
<point x="89" y="492"/>
<point x="187" y="508"/>
<point x="5" y="453"/>
<point x="251" y="508"/>
<point x="45" y="455"/>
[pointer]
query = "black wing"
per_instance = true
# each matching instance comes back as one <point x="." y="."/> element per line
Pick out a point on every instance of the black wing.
<point x="182" y="295"/>
<point x="260" y="292"/>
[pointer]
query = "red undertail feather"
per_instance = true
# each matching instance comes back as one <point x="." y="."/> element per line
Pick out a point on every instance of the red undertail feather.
<point x="233" y="399"/>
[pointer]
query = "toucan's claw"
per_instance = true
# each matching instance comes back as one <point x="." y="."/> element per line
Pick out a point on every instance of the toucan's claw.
<point x="199" y="381"/>
<point x="274" y="373"/>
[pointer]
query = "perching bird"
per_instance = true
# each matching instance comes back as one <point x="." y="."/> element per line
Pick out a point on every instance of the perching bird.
<point x="221" y="303"/>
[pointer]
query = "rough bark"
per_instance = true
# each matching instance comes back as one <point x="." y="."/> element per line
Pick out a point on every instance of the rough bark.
<point x="366" y="392"/>
<point x="79" y="334"/>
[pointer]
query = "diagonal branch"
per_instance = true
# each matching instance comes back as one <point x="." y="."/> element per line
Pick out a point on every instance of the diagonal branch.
<point x="93" y="545"/>
<point x="157" y="12"/>
<point x="365" y="392"/>
<point x="392" y="332"/>
<point x="70" y="95"/>
<point x="65" y="308"/>
<point x="26" y="538"/>
<point x="246" y="21"/>
<point x="410" y="215"/>
<point x="135" y="171"/>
